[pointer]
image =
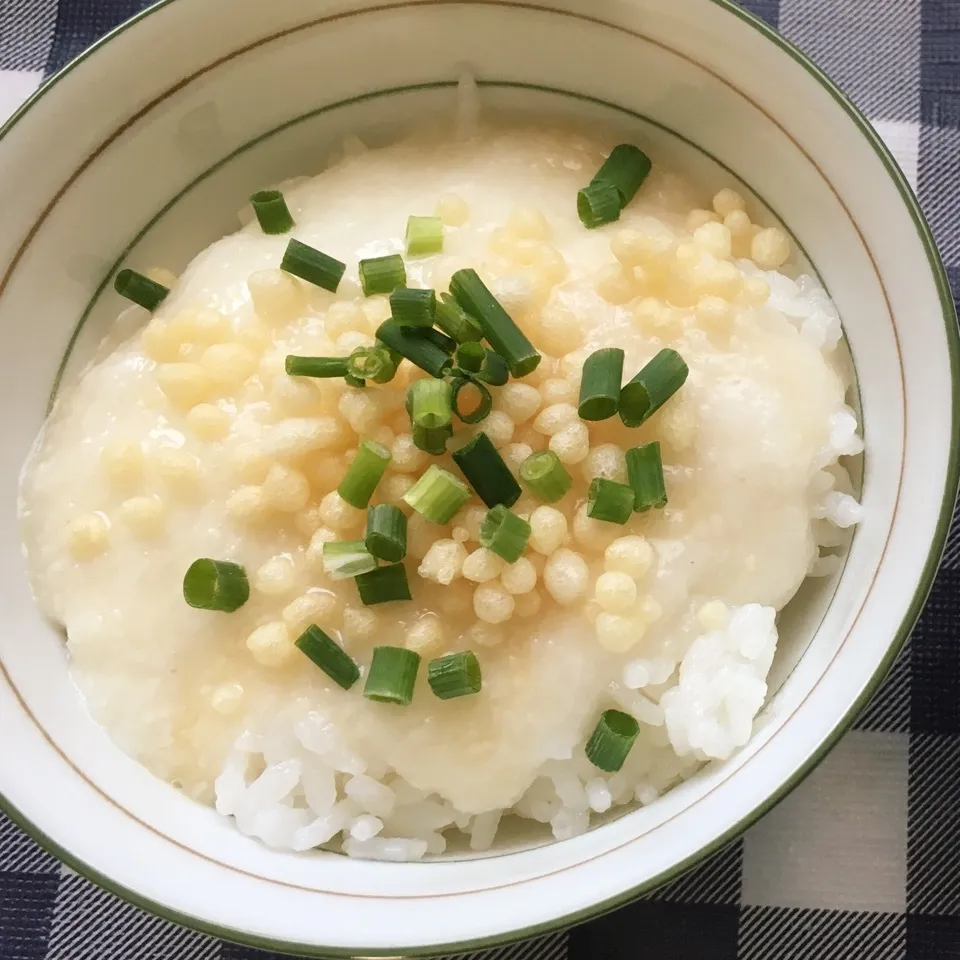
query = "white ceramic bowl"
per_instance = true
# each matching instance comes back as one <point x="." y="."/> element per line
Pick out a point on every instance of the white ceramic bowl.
<point x="143" y="149"/>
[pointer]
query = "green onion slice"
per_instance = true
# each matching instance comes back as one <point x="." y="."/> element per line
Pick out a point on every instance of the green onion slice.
<point x="598" y="203"/>
<point x="371" y="363"/>
<point x="315" y="366"/>
<point x="437" y="495"/>
<point x="411" y="307"/>
<point x="394" y="356"/>
<point x="447" y="344"/>
<point x="484" y="401"/>
<point x="392" y="675"/>
<point x="504" y="533"/>
<point x="546" y="476"/>
<point x="389" y="361"/>
<point x="432" y="440"/>
<point x="431" y="403"/>
<point x="424" y="236"/>
<point x="486" y="472"/>
<point x="455" y="675"/>
<point x="343" y="559"/>
<point x="353" y="381"/>
<point x="506" y="338"/>
<point x="271" y="210"/>
<point x="470" y="356"/>
<point x="382" y="274"/>
<point x="430" y="408"/>
<point x="652" y="387"/>
<point x="626" y="168"/>
<point x="609" y="500"/>
<point x="417" y="346"/>
<point x="141" y="290"/>
<point x="313" y="266"/>
<point x="329" y="656"/>
<point x="611" y="740"/>
<point x="645" y="470"/>
<point x="216" y="585"/>
<point x="363" y="475"/>
<point x="495" y="370"/>
<point x="383" y="585"/>
<point x="600" y="384"/>
<point x="453" y="321"/>
<point x="386" y="536"/>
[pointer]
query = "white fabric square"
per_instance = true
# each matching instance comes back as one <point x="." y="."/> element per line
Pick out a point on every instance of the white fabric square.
<point x="903" y="139"/>
<point x="15" y="87"/>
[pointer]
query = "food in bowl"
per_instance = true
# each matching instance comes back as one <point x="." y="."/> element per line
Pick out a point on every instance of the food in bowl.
<point x="465" y="480"/>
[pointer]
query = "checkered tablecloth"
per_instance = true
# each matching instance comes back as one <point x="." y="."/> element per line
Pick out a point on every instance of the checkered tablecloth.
<point x="862" y="862"/>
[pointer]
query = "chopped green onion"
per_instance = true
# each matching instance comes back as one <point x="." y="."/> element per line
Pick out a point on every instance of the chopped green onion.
<point x="470" y="356"/>
<point x="343" y="559"/>
<point x="216" y="585"/>
<point x="392" y="675"/>
<point x="386" y="535"/>
<point x="437" y="495"/>
<point x="484" y="404"/>
<point x="430" y="408"/>
<point x="411" y="307"/>
<point x="546" y="476"/>
<point x="600" y="384"/>
<point x="486" y="472"/>
<point x="371" y="363"/>
<point x="363" y="475"/>
<point x="494" y="370"/>
<point x="329" y="656"/>
<point x="652" y="387"/>
<point x="353" y="381"/>
<point x="394" y="356"/>
<point x="432" y="440"/>
<point x="454" y="321"/>
<point x="609" y="500"/>
<point x="316" y="366"/>
<point x="271" y="210"/>
<point x="431" y="403"/>
<point x="645" y="470"/>
<point x="455" y="675"/>
<point x="626" y="168"/>
<point x="382" y="274"/>
<point x="389" y="362"/>
<point x="313" y="266"/>
<point x="504" y="533"/>
<point x="141" y="290"/>
<point x="424" y="236"/>
<point x="611" y="740"/>
<point x="383" y="585"/>
<point x="447" y="344"/>
<point x="598" y="203"/>
<point x="361" y="361"/>
<point x="498" y="327"/>
<point x="414" y="344"/>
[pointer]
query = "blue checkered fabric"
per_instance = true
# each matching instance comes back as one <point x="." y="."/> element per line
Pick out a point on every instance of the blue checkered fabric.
<point x="862" y="862"/>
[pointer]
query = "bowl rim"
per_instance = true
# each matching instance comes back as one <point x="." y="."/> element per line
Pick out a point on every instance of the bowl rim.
<point x="899" y="638"/>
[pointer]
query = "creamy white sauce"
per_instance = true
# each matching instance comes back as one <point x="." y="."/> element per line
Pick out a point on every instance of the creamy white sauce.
<point x="744" y="446"/>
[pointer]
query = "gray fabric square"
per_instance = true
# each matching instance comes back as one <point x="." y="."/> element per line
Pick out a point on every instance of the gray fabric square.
<point x="19" y="853"/>
<point x="91" y="924"/>
<point x="939" y="177"/>
<point x="933" y="865"/>
<point x="770" y="933"/>
<point x="872" y="53"/>
<point x="26" y="33"/>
